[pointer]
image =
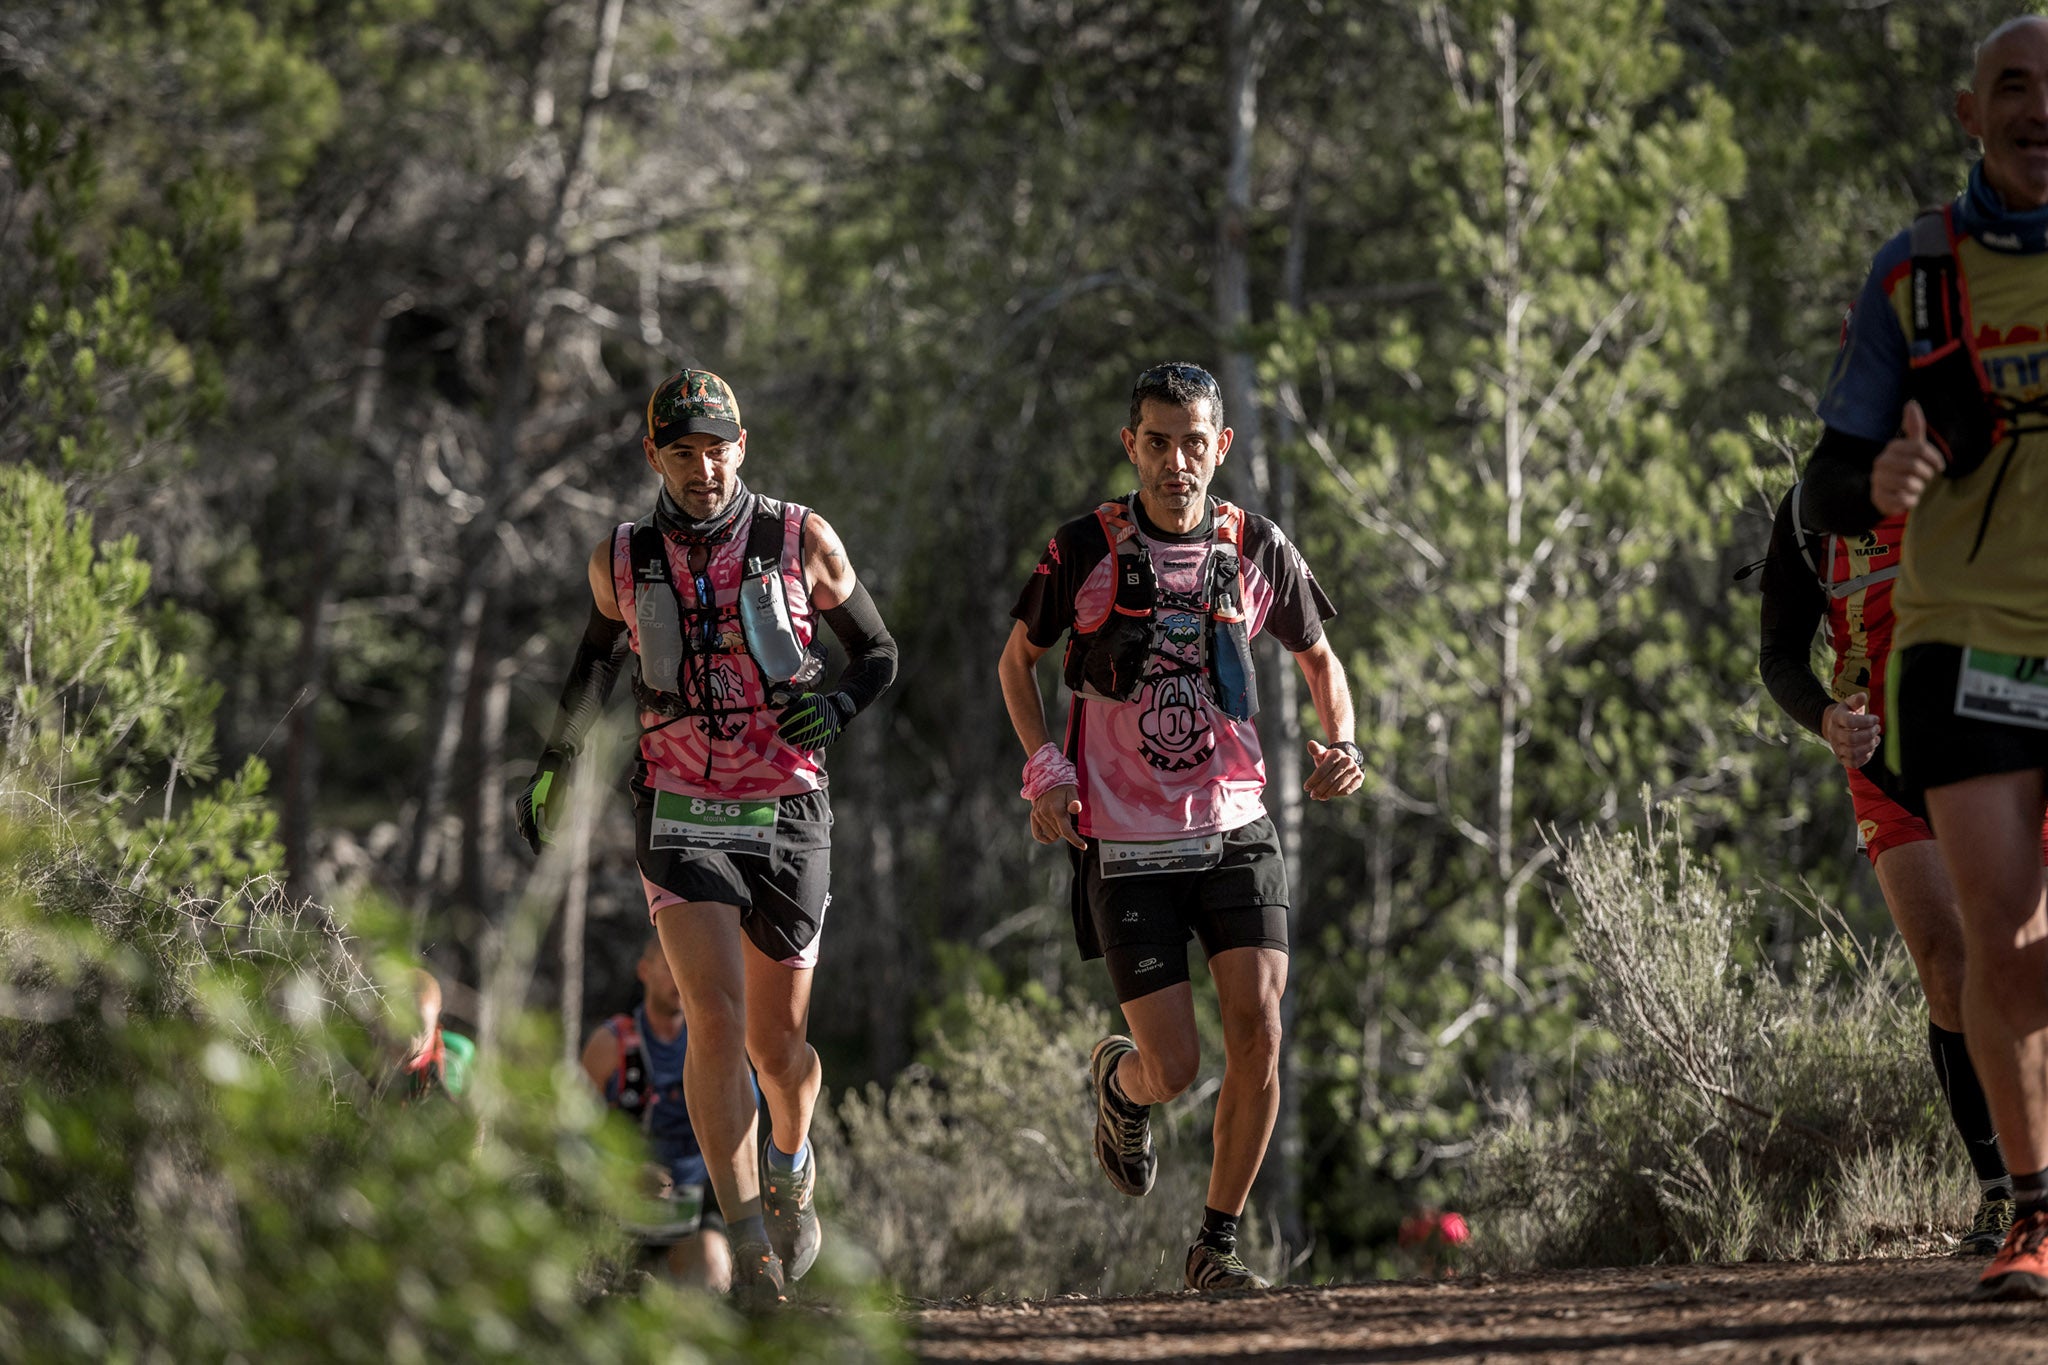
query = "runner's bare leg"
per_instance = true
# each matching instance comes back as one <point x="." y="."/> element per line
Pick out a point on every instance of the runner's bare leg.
<point x="1989" y="832"/>
<point x="702" y="942"/>
<point x="1169" y="1053"/>
<point x="778" y="1022"/>
<point x="1249" y="983"/>
<point x="1922" y="901"/>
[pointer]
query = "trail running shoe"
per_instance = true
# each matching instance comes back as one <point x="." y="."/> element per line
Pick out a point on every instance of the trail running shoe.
<point x="1988" y="1229"/>
<point x="2020" y="1270"/>
<point x="757" y="1283"/>
<point x="792" y="1213"/>
<point x="1123" y="1135"/>
<point x="1210" y="1270"/>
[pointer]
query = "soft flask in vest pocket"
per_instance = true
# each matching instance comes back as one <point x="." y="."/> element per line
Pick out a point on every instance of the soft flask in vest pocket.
<point x="658" y="621"/>
<point x="764" y="619"/>
<point x="1232" y="673"/>
<point x="1118" y="651"/>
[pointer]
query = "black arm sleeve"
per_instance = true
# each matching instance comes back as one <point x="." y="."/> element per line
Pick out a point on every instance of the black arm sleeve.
<point x="1837" y="484"/>
<point x="1793" y="606"/>
<point x="870" y="649"/>
<point x="591" y="677"/>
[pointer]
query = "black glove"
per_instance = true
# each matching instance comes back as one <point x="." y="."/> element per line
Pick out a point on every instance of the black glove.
<point x="814" y="719"/>
<point x="539" y="807"/>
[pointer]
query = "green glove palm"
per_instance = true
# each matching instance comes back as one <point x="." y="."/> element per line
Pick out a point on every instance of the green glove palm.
<point x="544" y="801"/>
<point x="814" y="719"/>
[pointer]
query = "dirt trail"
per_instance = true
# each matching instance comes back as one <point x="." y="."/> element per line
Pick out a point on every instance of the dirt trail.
<point x="1883" y="1310"/>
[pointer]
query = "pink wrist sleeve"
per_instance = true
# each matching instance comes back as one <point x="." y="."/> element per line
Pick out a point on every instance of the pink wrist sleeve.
<point x="1047" y="769"/>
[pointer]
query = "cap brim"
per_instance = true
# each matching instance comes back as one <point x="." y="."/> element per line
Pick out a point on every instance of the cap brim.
<point x="710" y="426"/>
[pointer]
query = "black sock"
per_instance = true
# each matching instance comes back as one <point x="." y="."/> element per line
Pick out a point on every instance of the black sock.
<point x="1219" y="1230"/>
<point x="2029" y="1192"/>
<point x="1122" y="1101"/>
<point x="749" y="1232"/>
<point x="1966" y="1105"/>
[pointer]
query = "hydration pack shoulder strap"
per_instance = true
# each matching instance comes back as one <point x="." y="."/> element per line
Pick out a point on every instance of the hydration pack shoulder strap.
<point x="632" y="1072"/>
<point x="1799" y="538"/>
<point x="1233" y="674"/>
<point x="1943" y="373"/>
<point x="1937" y="311"/>
<point x="1119" y="639"/>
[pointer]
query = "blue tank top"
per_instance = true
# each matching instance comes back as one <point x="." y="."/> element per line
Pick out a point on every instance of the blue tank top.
<point x="665" y="1117"/>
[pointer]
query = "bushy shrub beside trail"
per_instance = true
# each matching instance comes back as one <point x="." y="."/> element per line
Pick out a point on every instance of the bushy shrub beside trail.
<point x="203" y="1155"/>
<point x="973" y="1175"/>
<point x="1733" y="1111"/>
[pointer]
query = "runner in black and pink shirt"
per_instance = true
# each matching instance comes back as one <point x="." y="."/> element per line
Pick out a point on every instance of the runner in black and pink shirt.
<point x="1158" y="788"/>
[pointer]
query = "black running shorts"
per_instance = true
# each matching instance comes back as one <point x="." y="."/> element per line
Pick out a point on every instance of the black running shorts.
<point x="1937" y="746"/>
<point x="1143" y="923"/>
<point x="782" y="896"/>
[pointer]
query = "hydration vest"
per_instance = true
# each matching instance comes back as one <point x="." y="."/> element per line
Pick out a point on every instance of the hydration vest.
<point x="1967" y="418"/>
<point x="637" y="1096"/>
<point x="1108" y="658"/>
<point x="660" y="616"/>
<point x="1859" y="608"/>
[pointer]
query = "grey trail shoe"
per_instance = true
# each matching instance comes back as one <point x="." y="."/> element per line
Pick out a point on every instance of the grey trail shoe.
<point x="1123" y="1132"/>
<point x="1210" y="1270"/>
<point x="1988" y="1228"/>
<point x="788" y="1205"/>
<point x="757" y="1283"/>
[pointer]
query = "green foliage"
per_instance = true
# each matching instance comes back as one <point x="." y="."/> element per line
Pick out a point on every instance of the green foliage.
<point x="972" y="1175"/>
<point x="1726" y="1112"/>
<point x="198" y="1157"/>
<point x="96" y="715"/>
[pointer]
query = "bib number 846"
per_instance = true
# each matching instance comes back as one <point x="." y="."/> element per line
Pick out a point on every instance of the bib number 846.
<point x="730" y="810"/>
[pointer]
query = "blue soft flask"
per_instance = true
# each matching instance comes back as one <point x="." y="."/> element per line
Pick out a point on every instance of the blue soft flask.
<point x="1231" y="670"/>
<point x="764" y="619"/>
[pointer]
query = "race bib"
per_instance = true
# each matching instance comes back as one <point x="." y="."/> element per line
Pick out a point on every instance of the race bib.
<point x="711" y="824"/>
<point x="2011" y="689"/>
<point x="672" y="1217"/>
<point x="1139" y="859"/>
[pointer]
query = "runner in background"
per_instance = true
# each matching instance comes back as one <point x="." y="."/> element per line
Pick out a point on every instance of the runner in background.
<point x="636" y="1062"/>
<point x="1846" y="583"/>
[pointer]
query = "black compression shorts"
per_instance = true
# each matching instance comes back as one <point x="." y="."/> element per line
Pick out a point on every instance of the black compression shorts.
<point x="782" y="896"/>
<point x="1937" y="746"/>
<point x="1144" y="922"/>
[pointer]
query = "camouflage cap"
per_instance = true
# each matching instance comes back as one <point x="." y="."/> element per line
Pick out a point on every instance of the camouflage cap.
<point x="694" y="400"/>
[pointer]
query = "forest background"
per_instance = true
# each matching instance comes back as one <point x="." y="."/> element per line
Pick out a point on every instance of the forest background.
<point x="346" y="314"/>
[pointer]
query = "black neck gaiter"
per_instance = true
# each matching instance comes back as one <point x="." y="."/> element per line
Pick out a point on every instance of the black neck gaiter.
<point x="713" y="530"/>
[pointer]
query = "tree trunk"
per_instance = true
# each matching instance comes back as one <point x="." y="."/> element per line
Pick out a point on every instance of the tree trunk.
<point x="575" y="913"/>
<point x="329" y="519"/>
<point x="1515" y="300"/>
<point x="423" y="857"/>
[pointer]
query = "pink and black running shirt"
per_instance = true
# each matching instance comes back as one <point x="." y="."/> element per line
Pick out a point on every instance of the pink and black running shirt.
<point x="1167" y="763"/>
<point x="738" y="754"/>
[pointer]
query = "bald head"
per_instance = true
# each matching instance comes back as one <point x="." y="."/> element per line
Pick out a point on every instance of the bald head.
<point x="2006" y="110"/>
<point x="2010" y="41"/>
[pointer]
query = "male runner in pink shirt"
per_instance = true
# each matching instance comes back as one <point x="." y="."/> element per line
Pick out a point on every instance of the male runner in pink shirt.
<point x="1158" y="786"/>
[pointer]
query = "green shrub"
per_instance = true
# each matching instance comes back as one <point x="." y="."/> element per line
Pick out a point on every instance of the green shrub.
<point x="201" y="1159"/>
<point x="1733" y="1112"/>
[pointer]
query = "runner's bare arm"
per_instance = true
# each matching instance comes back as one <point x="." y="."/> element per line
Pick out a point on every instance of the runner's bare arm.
<point x="601" y="1057"/>
<point x="1053" y="810"/>
<point x="826" y="566"/>
<point x="602" y="590"/>
<point x="1336" y="766"/>
<point x="1021" y="697"/>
